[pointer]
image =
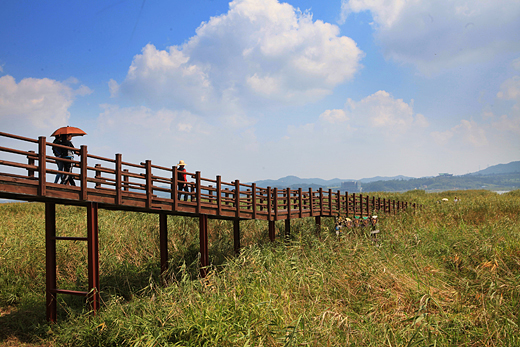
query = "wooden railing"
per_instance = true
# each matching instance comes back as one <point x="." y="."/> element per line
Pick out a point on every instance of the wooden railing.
<point x="117" y="184"/>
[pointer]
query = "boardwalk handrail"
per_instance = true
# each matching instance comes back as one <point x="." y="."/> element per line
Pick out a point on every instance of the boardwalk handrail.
<point x="145" y="186"/>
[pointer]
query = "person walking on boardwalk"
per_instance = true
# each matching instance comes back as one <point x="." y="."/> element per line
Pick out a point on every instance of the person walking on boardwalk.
<point x="57" y="153"/>
<point x="182" y="181"/>
<point x="67" y="154"/>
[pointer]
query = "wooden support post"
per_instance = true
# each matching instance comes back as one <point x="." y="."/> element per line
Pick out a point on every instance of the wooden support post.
<point x="93" y="256"/>
<point x="272" y="231"/>
<point x="361" y="211"/>
<point x="236" y="235"/>
<point x="42" y="166"/>
<point x="163" y="241"/>
<point x="119" y="178"/>
<point x="84" y="172"/>
<point x="203" y="239"/>
<point x="50" y="256"/>
<point x="287" y="228"/>
<point x="318" y="224"/>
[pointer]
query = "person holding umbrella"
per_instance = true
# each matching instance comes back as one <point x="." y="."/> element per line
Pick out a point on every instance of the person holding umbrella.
<point x="63" y="138"/>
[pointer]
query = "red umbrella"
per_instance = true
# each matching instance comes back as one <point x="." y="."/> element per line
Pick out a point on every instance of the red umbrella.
<point x="69" y="131"/>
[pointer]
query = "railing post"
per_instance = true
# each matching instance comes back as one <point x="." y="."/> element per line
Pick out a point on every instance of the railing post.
<point x="338" y="197"/>
<point x="311" y="201"/>
<point x="149" y="189"/>
<point x="269" y="204"/>
<point x="361" y="211"/>
<point x="321" y="201"/>
<point x="198" y="191"/>
<point x="42" y="166"/>
<point x="275" y="204"/>
<point x="254" y="200"/>
<point x="354" y="211"/>
<point x="219" y="196"/>
<point x="175" y="193"/>
<point x="300" y="197"/>
<point x="30" y="161"/>
<point x="237" y="198"/>
<point x="125" y="180"/>
<point x="347" y="205"/>
<point x="50" y="260"/>
<point x="97" y="176"/>
<point x="119" y="179"/>
<point x="84" y="172"/>
<point x="288" y="203"/>
<point x="330" y="202"/>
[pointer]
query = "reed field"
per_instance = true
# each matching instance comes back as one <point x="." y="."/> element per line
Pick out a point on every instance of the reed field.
<point x="445" y="275"/>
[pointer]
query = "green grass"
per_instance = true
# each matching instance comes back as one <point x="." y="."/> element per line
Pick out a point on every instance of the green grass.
<point x="448" y="275"/>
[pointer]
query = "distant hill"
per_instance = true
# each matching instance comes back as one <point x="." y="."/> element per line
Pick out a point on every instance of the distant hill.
<point x="296" y="182"/>
<point x="512" y="167"/>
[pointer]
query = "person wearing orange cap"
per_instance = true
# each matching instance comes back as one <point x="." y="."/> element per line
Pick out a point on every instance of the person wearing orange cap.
<point x="182" y="181"/>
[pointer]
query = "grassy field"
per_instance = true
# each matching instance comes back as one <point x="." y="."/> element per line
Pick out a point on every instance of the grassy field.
<point x="448" y="275"/>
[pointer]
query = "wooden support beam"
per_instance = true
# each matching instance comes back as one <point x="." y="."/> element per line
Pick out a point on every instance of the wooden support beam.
<point x="50" y="252"/>
<point x="42" y="166"/>
<point x="318" y="224"/>
<point x="163" y="241"/>
<point x="203" y="239"/>
<point x="236" y="235"/>
<point x="272" y="230"/>
<point x="287" y="228"/>
<point x="93" y="256"/>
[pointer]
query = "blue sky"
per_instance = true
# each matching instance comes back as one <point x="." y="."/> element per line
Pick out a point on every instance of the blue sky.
<point x="259" y="89"/>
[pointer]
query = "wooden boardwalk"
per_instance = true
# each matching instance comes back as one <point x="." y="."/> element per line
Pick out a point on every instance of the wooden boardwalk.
<point x="27" y="171"/>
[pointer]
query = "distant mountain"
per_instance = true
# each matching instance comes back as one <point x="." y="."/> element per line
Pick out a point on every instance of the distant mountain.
<point x="294" y="181"/>
<point x="512" y="167"/>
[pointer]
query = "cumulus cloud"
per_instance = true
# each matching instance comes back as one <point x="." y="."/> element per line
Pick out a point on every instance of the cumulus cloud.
<point x="434" y="35"/>
<point x="381" y="112"/>
<point x="510" y="89"/>
<point x="36" y="103"/>
<point x="257" y="51"/>
<point x="468" y="131"/>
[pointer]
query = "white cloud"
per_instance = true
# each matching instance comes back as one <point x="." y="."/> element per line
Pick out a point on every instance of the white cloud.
<point x="434" y="35"/>
<point x="465" y="133"/>
<point x="380" y="112"/>
<point x="334" y="116"/>
<point x="41" y="104"/>
<point x="510" y="89"/>
<point x="257" y="51"/>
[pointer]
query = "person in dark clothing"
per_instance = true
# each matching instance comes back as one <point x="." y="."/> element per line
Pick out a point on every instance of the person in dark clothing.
<point x="67" y="154"/>
<point x="182" y="181"/>
<point x="57" y="153"/>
